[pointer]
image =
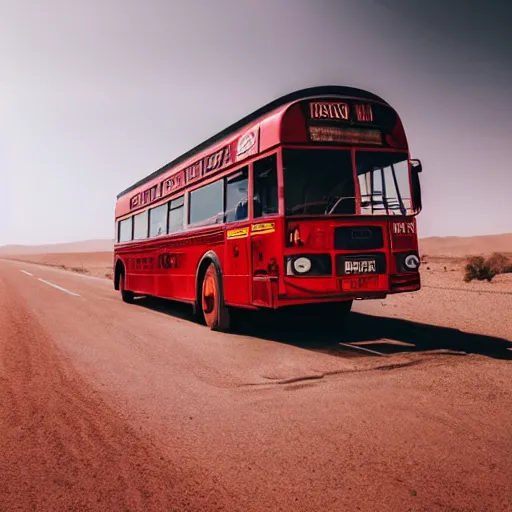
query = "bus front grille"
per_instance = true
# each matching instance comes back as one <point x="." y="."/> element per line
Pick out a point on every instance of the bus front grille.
<point x="354" y="238"/>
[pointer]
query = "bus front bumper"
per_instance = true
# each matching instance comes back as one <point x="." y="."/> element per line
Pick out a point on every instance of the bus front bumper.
<point x="364" y="287"/>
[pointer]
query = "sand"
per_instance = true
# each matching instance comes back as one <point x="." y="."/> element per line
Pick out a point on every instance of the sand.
<point x="97" y="264"/>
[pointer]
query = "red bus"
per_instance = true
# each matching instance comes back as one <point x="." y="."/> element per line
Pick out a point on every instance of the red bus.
<point x="310" y="200"/>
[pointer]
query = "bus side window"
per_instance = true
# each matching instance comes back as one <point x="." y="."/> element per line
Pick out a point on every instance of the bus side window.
<point x="206" y="204"/>
<point x="236" y="196"/>
<point x="176" y="214"/>
<point x="125" y="230"/>
<point x="265" y="186"/>
<point x="157" y="220"/>
<point x="140" y="226"/>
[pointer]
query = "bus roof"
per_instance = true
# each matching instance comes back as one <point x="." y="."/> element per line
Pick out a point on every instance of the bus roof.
<point x="261" y="112"/>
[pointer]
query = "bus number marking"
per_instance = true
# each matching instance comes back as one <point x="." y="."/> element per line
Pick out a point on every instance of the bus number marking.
<point x="360" y="267"/>
<point x="358" y="283"/>
<point x="364" y="113"/>
<point x="329" y="110"/>
<point x="404" y="228"/>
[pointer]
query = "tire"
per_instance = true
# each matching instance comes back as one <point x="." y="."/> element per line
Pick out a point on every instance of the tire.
<point x="215" y="312"/>
<point x="126" y="295"/>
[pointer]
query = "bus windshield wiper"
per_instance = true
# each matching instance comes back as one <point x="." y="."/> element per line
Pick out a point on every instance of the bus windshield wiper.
<point x="336" y="204"/>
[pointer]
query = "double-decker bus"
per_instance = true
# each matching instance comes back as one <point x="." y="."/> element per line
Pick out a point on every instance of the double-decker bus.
<point x="310" y="200"/>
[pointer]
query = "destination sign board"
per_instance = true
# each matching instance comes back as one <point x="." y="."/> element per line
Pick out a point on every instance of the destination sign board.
<point x="340" y="111"/>
<point x="352" y="122"/>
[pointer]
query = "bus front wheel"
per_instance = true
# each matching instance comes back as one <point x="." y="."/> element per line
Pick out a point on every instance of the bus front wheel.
<point x="215" y="312"/>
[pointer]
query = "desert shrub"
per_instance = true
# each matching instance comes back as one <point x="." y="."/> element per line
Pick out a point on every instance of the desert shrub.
<point x="499" y="263"/>
<point x="478" y="268"/>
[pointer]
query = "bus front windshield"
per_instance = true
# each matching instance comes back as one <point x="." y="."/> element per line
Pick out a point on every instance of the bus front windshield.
<point x="321" y="182"/>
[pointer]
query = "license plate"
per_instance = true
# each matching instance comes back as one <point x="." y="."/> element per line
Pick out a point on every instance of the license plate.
<point x="358" y="283"/>
<point x="360" y="266"/>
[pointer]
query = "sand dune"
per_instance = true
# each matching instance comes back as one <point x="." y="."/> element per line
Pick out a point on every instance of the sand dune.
<point x="99" y="245"/>
<point x="97" y="264"/>
<point x="459" y="247"/>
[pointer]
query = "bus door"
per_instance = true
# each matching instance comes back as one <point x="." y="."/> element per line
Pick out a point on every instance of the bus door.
<point x="236" y="257"/>
<point x="264" y="233"/>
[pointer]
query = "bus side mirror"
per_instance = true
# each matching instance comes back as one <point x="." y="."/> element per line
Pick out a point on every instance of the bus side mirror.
<point x="416" y="168"/>
<point x="416" y="165"/>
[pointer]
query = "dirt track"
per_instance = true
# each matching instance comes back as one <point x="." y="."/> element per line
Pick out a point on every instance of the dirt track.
<point x="108" y="406"/>
<point x="63" y="447"/>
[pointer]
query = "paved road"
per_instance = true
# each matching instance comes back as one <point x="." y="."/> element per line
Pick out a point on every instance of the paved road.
<point x="106" y="406"/>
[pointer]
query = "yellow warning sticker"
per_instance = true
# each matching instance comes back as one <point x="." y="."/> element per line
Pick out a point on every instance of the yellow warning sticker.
<point x="263" y="228"/>
<point x="238" y="233"/>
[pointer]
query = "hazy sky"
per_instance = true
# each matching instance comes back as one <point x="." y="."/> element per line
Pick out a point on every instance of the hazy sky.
<point x="95" y="95"/>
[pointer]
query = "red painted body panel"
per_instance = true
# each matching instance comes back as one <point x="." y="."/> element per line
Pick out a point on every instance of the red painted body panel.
<point x="251" y="253"/>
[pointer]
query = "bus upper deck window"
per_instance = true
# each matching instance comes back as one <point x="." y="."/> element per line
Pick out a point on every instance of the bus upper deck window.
<point x="265" y="186"/>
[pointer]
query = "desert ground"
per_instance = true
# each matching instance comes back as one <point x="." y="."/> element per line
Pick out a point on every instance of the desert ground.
<point x="96" y="264"/>
<point x="135" y="407"/>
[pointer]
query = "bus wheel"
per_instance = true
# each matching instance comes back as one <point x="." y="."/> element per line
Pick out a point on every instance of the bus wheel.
<point x="126" y="295"/>
<point x="216" y="314"/>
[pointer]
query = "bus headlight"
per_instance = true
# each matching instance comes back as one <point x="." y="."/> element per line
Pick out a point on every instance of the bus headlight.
<point x="412" y="262"/>
<point x="308" y="265"/>
<point x="407" y="262"/>
<point x="302" y="265"/>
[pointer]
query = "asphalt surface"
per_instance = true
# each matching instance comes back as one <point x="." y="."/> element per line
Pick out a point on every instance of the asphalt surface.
<point x="106" y="406"/>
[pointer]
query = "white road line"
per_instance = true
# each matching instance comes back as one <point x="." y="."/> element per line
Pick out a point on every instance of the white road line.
<point x="85" y="276"/>
<point x="28" y="273"/>
<point x="362" y="348"/>
<point x="58" y="287"/>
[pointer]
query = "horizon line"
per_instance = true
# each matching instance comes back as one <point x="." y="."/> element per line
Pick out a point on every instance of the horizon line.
<point x="113" y="240"/>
